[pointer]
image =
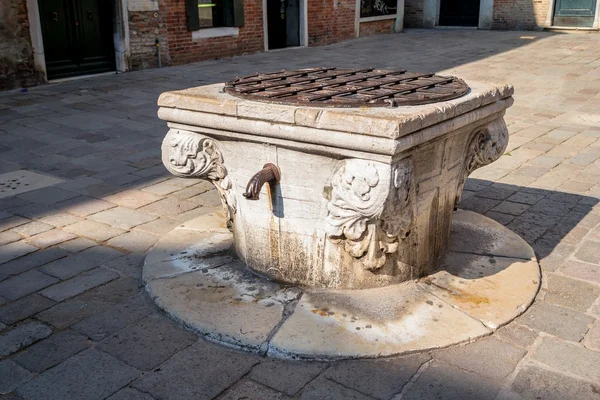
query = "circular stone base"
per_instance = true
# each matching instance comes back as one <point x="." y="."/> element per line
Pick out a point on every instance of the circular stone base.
<point x="489" y="277"/>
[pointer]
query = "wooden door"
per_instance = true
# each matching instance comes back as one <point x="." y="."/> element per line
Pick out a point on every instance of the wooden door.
<point x="459" y="12"/>
<point x="578" y="13"/>
<point x="77" y="37"/>
<point x="283" y="23"/>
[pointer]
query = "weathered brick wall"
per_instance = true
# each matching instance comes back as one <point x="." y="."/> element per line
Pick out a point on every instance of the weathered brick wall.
<point x="519" y="14"/>
<point x="183" y="49"/>
<point x="413" y="13"/>
<point x="330" y="21"/>
<point x="147" y="24"/>
<point x="16" y="56"/>
<point x="375" y="27"/>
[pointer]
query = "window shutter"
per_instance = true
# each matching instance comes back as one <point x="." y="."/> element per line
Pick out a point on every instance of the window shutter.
<point x="191" y="15"/>
<point x="238" y="12"/>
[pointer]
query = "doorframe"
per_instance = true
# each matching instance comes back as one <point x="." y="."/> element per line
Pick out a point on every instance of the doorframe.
<point x="120" y="38"/>
<point x="550" y="15"/>
<point x="302" y="24"/>
<point x="431" y="13"/>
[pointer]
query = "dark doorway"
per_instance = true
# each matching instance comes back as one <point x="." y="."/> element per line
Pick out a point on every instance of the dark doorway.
<point x="78" y="37"/>
<point x="578" y="13"/>
<point x="283" y="23"/>
<point x="459" y="13"/>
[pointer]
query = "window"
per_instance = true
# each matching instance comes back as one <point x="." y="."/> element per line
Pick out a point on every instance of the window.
<point x="376" y="8"/>
<point x="214" y="13"/>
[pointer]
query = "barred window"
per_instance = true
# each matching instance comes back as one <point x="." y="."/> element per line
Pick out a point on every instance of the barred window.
<point x="376" y="8"/>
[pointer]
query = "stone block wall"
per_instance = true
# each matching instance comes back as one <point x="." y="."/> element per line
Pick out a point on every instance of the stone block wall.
<point x="519" y="14"/>
<point x="376" y="27"/>
<point x="16" y="54"/>
<point x="330" y="21"/>
<point x="183" y="49"/>
<point x="147" y="24"/>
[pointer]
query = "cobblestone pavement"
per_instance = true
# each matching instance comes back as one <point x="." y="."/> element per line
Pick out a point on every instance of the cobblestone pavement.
<point x="76" y="324"/>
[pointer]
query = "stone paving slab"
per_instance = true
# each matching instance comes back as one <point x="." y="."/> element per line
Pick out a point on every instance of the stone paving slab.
<point x="90" y="374"/>
<point x="105" y="152"/>
<point x="151" y="332"/>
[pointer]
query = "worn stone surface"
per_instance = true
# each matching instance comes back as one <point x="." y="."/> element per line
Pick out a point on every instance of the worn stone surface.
<point x="89" y="303"/>
<point x="588" y="252"/>
<point x="115" y="318"/>
<point x="382" y="321"/>
<point x="183" y="251"/>
<point x="536" y="383"/>
<point x="585" y="271"/>
<point x="286" y="376"/>
<point x="251" y="390"/>
<point x="123" y="218"/>
<point x="473" y="233"/>
<point x="155" y="332"/>
<point x="90" y="374"/>
<point x="446" y="382"/>
<point x="130" y="394"/>
<point x="592" y="337"/>
<point x="517" y="334"/>
<point x="23" y="308"/>
<point x="79" y="284"/>
<point x="22" y="336"/>
<point x="558" y="321"/>
<point x="50" y="238"/>
<point x="570" y="293"/>
<point x="134" y="241"/>
<point x="51" y="351"/>
<point x="93" y="230"/>
<point x="178" y="378"/>
<point x="32" y="260"/>
<point x="80" y="262"/>
<point x="226" y="303"/>
<point x="388" y="375"/>
<point x="570" y="358"/>
<point x="25" y="283"/>
<point x="11" y="376"/>
<point x="322" y="388"/>
<point x="489" y="357"/>
<point x="471" y="283"/>
<point x="15" y="250"/>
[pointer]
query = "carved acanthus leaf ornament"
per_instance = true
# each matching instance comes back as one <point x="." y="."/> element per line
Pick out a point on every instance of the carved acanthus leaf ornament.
<point x="486" y="146"/>
<point x="369" y="210"/>
<point x="192" y="155"/>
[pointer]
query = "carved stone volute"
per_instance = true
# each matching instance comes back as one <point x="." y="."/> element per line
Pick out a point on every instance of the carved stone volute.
<point x="192" y="155"/>
<point x="486" y="146"/>
<point x="369" y="210"/>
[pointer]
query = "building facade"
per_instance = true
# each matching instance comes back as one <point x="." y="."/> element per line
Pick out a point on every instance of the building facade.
<point x="42" y="40"/>
<point x="503" y="14"/>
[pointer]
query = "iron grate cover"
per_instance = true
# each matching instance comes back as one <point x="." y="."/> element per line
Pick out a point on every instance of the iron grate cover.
<point x="332" y="87"/>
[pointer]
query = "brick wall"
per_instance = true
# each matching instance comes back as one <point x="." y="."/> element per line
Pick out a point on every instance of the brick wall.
<point x="16" y="56"/>
<point x="147" y="24"/>
<point x="413" y="13"/>
<point x="519" y="14"/>
<point x="375" y="27"/>
<point x="330" y="21"/>
<point x="183" y="49"/>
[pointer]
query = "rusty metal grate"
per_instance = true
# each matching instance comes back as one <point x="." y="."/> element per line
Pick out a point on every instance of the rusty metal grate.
<point x="332" y="87"/>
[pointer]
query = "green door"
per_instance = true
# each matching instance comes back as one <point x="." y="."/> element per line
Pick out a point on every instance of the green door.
<point x="77" y="36"/>
<point x="578" y="13"/>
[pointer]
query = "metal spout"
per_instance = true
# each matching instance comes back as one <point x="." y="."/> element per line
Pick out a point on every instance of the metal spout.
<point x="269" y="173"/>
